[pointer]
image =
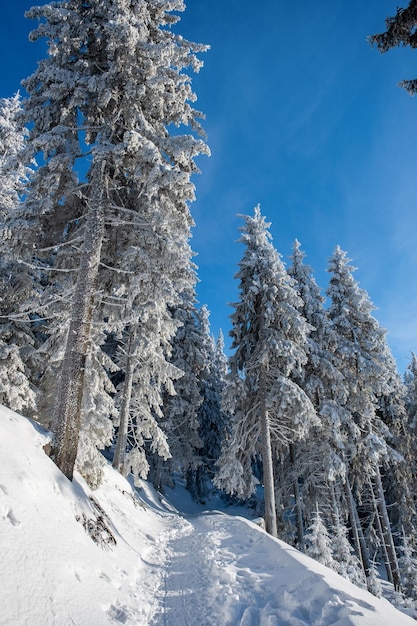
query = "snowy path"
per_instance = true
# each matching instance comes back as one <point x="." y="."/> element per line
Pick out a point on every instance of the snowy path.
<point x="186" y="580"/>
<point x="198" y="576"/>
<point x="220" y="571"/>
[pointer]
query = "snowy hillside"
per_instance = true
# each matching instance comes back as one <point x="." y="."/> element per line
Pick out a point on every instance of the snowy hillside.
<point x="205" y="569"/>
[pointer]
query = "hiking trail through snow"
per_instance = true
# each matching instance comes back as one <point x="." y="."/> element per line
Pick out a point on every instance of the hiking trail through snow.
<point x="221" y="570"/>
<point x="203" y="581"/>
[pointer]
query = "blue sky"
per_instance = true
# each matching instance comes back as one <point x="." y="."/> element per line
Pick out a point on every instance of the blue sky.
<point x="305" y="118"/>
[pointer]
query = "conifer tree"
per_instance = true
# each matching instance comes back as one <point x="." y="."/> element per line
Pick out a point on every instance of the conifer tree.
<point x="318" y="540"/>
<point x="345" y="562"/>
<point x="363" y="359"/>
<point x="97" y="413"/>
<point x="161" y="256"/>
<point x="211" y="416"/>
<point x="269" y="338"/>
<point x="408" y="568"/>
<point x="397" y="476"/>
<point x="410" y="381"/>
<point x="181" y="410"/>
<point x="317" y="462"/>
<point x="147" y="377"/>
<point x="17" y="340"/>
<point x="14" y="173"/>
<point x="103" y="100"/>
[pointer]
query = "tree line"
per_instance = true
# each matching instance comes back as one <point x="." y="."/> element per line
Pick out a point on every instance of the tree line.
<point x="101" y="337"/>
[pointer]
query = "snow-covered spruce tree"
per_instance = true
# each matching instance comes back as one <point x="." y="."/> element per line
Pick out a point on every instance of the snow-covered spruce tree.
<point x="362" y="356"/>
<point x="158" y="256"/>
<point x="319" y="545"/>
<point x="345" y="562"/>
<point x="105" y="97"/>
<point x="16" y="336"/>
<point x="408" y="568"/>
<point x="164" y="274"/>
<point x="13" y="172"/>
<point x="211" y="415"/>
<point x="269" y="338"/>
<point x="316" y="465"/>
<point x="410" y="381"/>
<point x="97" y="413"/>
<point x="147" y="376"/>
<point x="147" y="327"/>
<point x="397" y="477"/>
<point x="181" y="411"/>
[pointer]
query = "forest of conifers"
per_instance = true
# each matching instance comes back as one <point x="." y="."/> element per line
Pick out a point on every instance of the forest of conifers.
<point x="101" y="338"/>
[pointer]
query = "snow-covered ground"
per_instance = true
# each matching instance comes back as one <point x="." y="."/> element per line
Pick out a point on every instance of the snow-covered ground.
<point x="173" y="564"/>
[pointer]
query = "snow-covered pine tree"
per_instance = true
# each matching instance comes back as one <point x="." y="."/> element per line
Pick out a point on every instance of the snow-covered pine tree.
<point x="408" y="568"/>
<point x="97" y="413"/>
<point x="269" y="338"/>
<point x="181" y="411"/>
<point x="397" y="476"/>
<point x="332" y="548"/>
<point x="316" y="465"/>
<point x="410" y="381"/>
<point x="14" y="173"/>
<point x="147" y="376"/>
<point x="158" y="255"/>
<point x="319" y="545"/>
<point x="363" y="359"/>
<point x="345" y="562"/>
<point x="104" y="99"/>
<point x="16" y="335"/>
<point x="211" y="416"/>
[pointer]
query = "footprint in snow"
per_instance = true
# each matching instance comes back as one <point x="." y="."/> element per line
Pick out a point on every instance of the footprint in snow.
<point x="10" y="517"/>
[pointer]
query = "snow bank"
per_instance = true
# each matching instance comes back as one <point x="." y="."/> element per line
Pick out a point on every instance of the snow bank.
<point x="52" y="573"/>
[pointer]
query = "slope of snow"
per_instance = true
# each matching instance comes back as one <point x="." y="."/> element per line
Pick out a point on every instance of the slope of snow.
<point x="205" y="569"/>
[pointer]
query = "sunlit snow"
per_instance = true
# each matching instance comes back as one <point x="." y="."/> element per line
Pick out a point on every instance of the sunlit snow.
<point x="195" y="568"/>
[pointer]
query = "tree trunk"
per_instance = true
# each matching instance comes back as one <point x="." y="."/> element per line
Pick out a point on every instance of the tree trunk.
<point x="69" y="395"/>
<point x="298" y="505"/>
<point x="268" y="471"/>
<point x="120" y="452"/>
<point x="381" y="537"/>
<point x="358" y="536"/>
<point x="386" y="530"/>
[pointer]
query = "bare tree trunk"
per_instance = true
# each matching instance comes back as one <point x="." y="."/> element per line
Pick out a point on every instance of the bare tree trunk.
<point x="268" y="471"/>
<point x="382" y="538"/>
<point x="386" y="530"/>
<point x="358" y="536"/>
<point x="69" y="396"/>
<point x="298" y="505"/>
<point x="120" y="452"/>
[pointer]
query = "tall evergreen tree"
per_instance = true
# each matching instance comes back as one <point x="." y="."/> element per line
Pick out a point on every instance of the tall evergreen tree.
<point x="397" y="476"/>
<point x="317" y="463"/>
<point x="363" y="355"/>
<point x="211" y="416"/>
<point x="17" y="339"/>
<point x="162" y="271"/>
<point x="269" y="338"/>
<point x="181" y="411"/>
<point x="104" y="99"/>
<point x="410" y="380"/>
<point x="13" y="171"/>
